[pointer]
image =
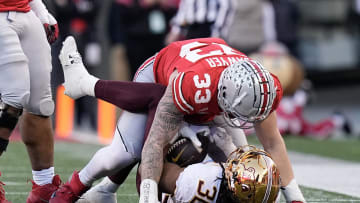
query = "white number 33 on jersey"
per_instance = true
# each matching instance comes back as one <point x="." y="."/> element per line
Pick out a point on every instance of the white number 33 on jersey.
<point x="202" y="86"/>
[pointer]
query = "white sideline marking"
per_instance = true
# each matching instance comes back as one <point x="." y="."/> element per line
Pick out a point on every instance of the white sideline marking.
<point x="26" y="193"/>
<point x="326" y="173"/>
<point x="16" y="175"/>
<point x="28" y="169"/>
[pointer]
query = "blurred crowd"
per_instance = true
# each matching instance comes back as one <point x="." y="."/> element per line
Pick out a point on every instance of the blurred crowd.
<point x="116" y="36"/>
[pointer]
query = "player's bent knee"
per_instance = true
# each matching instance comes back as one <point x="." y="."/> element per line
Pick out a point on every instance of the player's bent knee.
<point x="9" y="116"/>
<point x="44" y="107"/>
<point x="47" y="107"/>
<point x="118" y="159"/>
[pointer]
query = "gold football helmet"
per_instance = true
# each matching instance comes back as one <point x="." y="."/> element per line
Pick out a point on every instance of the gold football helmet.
<point x="252" y="175"/>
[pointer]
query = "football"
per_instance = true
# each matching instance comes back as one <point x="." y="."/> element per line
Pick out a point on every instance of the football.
<point x="183" y="153"/>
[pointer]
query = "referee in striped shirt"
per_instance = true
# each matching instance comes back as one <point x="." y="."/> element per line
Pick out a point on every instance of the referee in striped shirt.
<point x="199" y="18"/>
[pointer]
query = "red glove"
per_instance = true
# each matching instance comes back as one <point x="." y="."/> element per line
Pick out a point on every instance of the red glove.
<point x="52" y="32"/>
<point x="49" y="22"/>
<point x="51" y="29"/>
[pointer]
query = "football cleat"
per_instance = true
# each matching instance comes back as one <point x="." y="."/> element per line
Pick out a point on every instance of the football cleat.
<point x="2" y="193"/>
<point x="43" y="193"/>
<point x="98" y="193"/>
<point x="70" y="191"/>
<point x="78" y="82"/>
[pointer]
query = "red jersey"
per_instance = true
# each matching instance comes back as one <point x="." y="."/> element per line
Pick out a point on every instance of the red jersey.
<point x="15" y="5"/>
<point x="199" y="63"/>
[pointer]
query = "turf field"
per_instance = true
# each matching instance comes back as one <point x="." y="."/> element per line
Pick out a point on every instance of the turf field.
<point x="16" y="172"/>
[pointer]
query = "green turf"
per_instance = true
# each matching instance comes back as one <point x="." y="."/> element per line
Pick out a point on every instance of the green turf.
<point x="347" y="149"/>
<point x="16" y="173"/>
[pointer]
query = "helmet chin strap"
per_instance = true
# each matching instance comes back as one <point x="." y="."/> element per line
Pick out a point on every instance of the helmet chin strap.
<point x="236" y="122"/>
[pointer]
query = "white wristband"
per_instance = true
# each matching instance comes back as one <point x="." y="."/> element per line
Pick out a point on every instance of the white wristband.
<point x="292" y="192"/>
<point x="148" y="191"/>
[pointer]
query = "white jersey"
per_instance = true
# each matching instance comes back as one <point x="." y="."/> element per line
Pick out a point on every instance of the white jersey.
<point x="198" y="183"/>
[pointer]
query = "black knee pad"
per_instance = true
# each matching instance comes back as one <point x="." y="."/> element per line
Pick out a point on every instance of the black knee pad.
<point x="9" y="117"/>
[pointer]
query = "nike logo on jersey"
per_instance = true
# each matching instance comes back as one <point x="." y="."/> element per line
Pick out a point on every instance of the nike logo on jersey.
<point x="178" y="156"/>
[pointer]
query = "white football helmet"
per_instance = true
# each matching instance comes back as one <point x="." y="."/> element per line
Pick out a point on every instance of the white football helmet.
<point x="246" y="92"/>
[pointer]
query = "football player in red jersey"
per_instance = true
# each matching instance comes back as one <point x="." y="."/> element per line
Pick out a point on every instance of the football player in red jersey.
<point x="204" y="78"/>
<point x="26" y="29"/>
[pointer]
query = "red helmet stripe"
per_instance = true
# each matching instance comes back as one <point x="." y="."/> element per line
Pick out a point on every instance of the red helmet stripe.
<point x="264" y="83"/>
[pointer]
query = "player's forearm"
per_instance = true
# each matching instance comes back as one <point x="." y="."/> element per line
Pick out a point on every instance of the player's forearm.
<point x="281" y="159"/>
<point x="152" y="161"/>
<point x="272" y="141"/>
<point x="166" y="124"/>
<point x="163" y="129"/>
<point x="130" y="96"/>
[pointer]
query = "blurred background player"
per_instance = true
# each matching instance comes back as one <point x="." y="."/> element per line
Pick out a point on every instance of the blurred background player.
<point x="297" y="92"/>
<point x="85" y="84"/>
<point x="26" y="29"/>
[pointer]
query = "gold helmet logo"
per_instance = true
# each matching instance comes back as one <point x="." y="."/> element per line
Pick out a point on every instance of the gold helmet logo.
<point x="252" y="176"/>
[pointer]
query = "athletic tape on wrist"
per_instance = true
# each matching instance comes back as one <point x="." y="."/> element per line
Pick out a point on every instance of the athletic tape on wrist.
<point x="148" y="191"/>
<point x="292" y="192"/>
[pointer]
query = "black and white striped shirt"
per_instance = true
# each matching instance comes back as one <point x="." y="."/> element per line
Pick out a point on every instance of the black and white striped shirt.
<point x="213" y="12"/>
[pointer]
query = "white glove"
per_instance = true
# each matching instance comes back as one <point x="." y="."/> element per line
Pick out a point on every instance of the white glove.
<point x="223" y="140"/>
<point x="292" y="192"/>
<point x="191" y="131"/>
<point x="148" y="191"/>
<point x="237" y="134"/>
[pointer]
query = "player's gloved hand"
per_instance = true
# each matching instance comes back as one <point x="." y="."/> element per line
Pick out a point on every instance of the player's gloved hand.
<point x="191" y="133"/>
<point x="50" y="24"/>
<point x="223" y="140"/>
<point x="292" y="193"/>
<point x="78" y="82"/>
<point x="148" y="191"/>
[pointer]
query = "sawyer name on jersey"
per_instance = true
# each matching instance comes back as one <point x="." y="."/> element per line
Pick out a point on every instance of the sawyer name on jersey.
<point x="220" y="61"/>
